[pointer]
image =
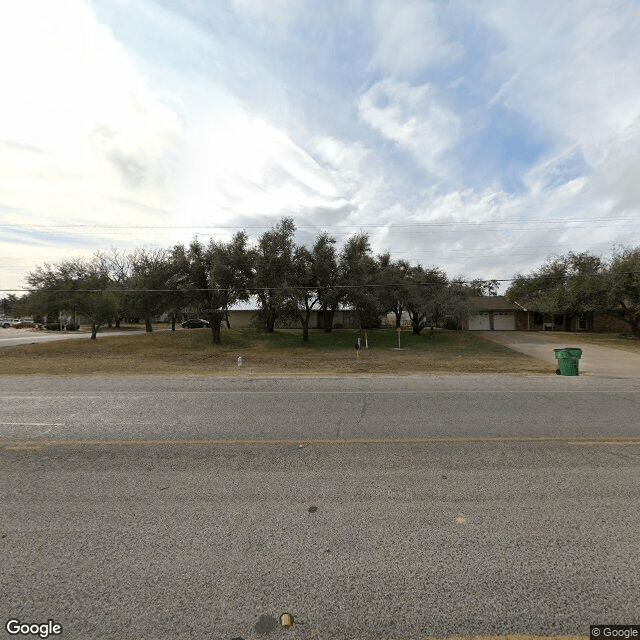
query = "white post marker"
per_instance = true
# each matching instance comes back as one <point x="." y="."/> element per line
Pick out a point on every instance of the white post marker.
<point x="399" y="330"/>
<point x="366" y="341"/>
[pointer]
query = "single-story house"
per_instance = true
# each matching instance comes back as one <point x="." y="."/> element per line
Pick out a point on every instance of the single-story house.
<point x="495" y="313"/>
<point x="243" y="314"/>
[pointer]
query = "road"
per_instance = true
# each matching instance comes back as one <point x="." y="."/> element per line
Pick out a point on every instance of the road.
<point x="14" y="337"/>
<point x="366" y="507"/>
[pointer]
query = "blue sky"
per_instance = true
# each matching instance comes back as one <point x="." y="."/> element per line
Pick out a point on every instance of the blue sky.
<point x="479" y="136"/>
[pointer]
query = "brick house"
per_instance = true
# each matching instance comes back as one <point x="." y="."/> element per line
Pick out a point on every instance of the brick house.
<point x="495" y="313"/>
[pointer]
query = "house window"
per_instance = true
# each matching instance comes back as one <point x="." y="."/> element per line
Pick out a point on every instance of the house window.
<point x="537" y="318"/>
<point x="582" y="324"/>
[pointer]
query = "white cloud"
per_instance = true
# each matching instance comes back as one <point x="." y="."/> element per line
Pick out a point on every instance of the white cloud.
<point x="569" y="67"/>
<point x="237" y="164"/>
<point x="411" y="37"/>
<point x="84" y="138"/>
<point x="78" y="98"/>
<point x="413" y="118"/>
<point x="274" y="15"/>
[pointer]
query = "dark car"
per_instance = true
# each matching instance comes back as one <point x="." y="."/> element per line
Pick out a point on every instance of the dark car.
<point x="195" y="323"/>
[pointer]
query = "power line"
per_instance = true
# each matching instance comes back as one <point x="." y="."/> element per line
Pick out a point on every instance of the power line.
<point x="338" y="286"/>
<point x="410" y="226"/>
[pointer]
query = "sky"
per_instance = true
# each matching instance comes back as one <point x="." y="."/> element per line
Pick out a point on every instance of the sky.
<point x="477" y="136"/>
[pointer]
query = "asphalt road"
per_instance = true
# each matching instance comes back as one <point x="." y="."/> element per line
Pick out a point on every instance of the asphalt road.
<point x="14" y="337"/>
<point x="367" y="508"/>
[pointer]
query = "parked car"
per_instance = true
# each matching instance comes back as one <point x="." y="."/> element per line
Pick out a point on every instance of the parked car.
<point x="5" y="323"/>
<point x="195" y="323"/>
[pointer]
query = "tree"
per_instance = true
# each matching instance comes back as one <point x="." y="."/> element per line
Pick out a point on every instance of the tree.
<point x="479" y="287"/>
<point x="220" y="274"/>
<point x="327" y="278"/>
<point x="178" y="283"/>
<point x="623" y="286"/>
<point x="302" y="295"/>
<point x="570" y="285"/>
<point x="273" y="264"/>
<point x="149" y="282"/>
<point x="10" y="305"/>
<point x="77" y="286"/>
<point x="118" y="265"/>
<point x="456" y="304"/>
<point x="360" y="272"/>
<point x="396" y="286"/>
<point x="427" y="297"/>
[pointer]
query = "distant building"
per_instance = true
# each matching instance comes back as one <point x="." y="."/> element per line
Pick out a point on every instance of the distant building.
<point x="496" y="313"/>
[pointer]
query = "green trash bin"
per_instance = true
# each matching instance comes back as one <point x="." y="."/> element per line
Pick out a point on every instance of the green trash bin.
<point x="568" y="358"/>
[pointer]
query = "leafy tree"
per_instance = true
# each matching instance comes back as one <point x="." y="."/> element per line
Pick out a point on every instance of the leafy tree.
<point x="149" y="282"/>
<point x="570" y="285"/>
<point x="623" y="286"/>
<point x="360" y="274"/>
<point x="456" y="304"/>
<point x="8" y="304"/>
<point x="118" y="265"/>
<point x="77" y="286"/>
<point x="479" y="287"/>
<point x="220" y="274"/>
<point x="395" y="278"/>
<point x="178" y="296"/>
<point x="302" y="295"/>
<point x="428" y="297"/>
<point x="327" y="278"/>
<point x="273" y="266"/>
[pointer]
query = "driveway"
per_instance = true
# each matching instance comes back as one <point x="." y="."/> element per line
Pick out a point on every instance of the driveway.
<point x="596" y="361"/>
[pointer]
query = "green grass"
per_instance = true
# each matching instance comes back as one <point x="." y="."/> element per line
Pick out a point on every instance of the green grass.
<point x="344" y="339"/>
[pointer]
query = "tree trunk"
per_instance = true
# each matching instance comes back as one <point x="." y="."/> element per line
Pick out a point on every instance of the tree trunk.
<point x="328" y="320"/>
<point x="270" y="323"/>
<point x="173" y="322"/>
<point x="94" y="330"/>
<point x="147" y="325"/>
<point x="215" y="319"/>
<point x="304" y="319"/>
<point x="398" y="318"/>
<point x="118" y="321"/>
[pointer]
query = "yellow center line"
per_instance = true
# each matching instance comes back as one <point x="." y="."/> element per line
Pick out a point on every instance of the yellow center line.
<point x="303" y="442"/>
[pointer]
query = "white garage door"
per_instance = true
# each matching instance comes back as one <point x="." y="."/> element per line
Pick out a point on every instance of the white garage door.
<point x="479" y="322"/>
<point x="504" y="321"/>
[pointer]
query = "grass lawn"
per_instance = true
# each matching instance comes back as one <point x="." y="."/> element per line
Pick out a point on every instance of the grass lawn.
<point x="282" y="353"/>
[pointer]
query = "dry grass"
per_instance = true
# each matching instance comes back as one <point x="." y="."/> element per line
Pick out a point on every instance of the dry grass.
<point x="282" y="354"/>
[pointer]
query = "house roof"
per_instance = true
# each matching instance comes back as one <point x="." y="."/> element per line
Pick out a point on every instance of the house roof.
<point x="494" y="303"/>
